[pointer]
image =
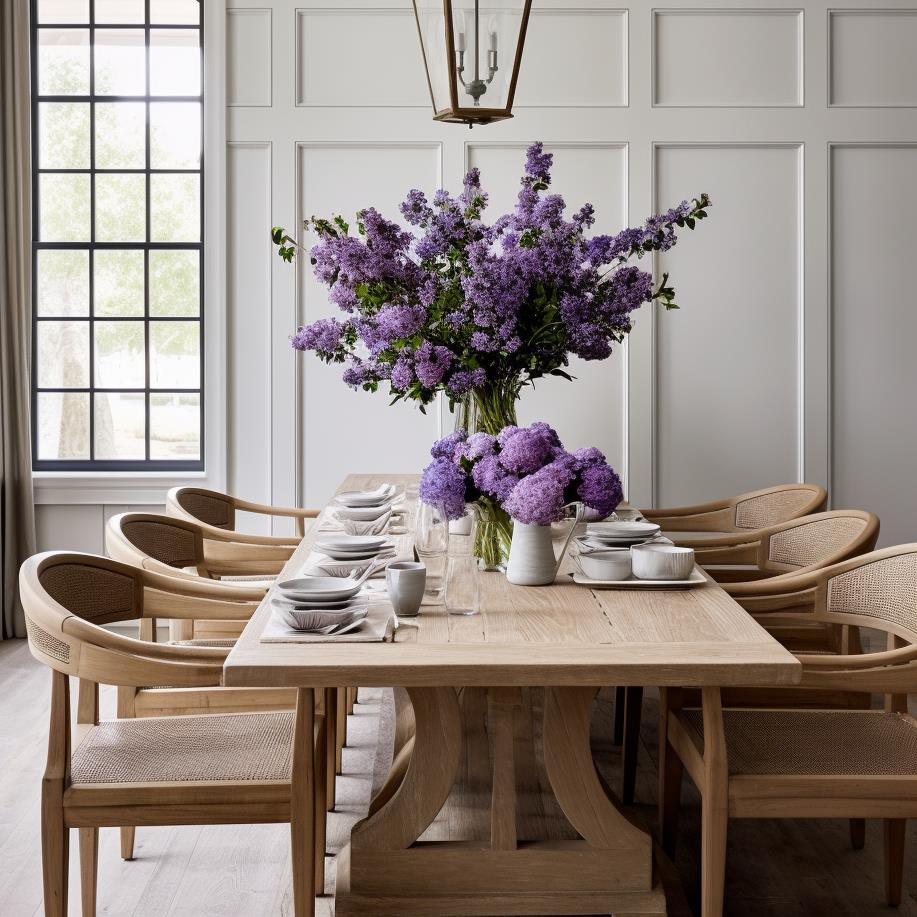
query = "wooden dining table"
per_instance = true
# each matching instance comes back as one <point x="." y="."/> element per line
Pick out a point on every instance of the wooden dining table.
<point x="501" y="705"/>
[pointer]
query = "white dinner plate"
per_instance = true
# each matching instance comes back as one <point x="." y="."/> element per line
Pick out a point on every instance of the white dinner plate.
<point x="356" y="543"/>
<point x="622" y="529"/>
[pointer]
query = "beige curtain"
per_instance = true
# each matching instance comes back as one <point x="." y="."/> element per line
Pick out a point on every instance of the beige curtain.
<point x="17" y="514"/>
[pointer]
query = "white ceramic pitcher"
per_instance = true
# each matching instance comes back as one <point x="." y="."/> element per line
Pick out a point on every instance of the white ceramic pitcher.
<point x="532" y="561"/>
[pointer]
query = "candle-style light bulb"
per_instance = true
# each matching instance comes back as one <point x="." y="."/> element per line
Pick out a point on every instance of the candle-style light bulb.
<point x="493" y="41"/>
<point x="460" y="42"/>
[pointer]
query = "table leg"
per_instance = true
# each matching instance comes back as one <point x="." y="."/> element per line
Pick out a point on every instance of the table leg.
<point x="715" y="814"/>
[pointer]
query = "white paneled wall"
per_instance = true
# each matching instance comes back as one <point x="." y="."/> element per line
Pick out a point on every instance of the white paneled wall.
<point x="792" y="355"/>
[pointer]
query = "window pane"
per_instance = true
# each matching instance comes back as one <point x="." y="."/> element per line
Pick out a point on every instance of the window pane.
<point x="120" y="208"/>
<point x="175" y="355"/>
<point x="174" y="283"/>
<point x="175" y="135"/>
<point x="63" y="62"/>
<point x="175" y="62"/>
<point x="120" y="56"/>
<point x="111" y="11"/>
<point x="63" y="206"/>
<point x="118" y="288"/>
<point x="120" y="425"/>
<point x="175" y="426"/>
<point x="63" y="354"/>
<point x="63" y="11"/>
<point x="62" y="282"/>
<point x="175" y="12"/>
<point x="121" y="135"/>
<point x="63" y="425"/>
<point x="175" y="208"/>
<point x="119" y="360"/>
<point x="63" y="135"/>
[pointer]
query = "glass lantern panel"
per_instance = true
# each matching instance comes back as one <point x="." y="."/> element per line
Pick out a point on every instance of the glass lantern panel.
<point x="431" y="21"/>
<point x="486" y="35"/>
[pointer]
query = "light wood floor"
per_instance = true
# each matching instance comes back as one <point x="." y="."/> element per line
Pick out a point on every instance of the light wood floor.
<point x="775" y="867"/>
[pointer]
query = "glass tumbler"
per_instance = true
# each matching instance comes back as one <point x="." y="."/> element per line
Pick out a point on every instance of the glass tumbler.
<point x="431" y="542"/>
<point x="463" y="585"/>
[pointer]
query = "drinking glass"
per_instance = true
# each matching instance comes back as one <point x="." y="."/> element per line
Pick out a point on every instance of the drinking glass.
<point x="463" y="585"/>
<point x="431" y="542"/>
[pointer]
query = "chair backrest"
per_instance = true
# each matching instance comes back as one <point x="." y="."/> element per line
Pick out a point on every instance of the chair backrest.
<point x="154" y="542"/>
<point x="878" y="591"/>
<point x="207" y="506"/>
<point x="773" y="505"/>
<point x="67" y="596"/>
<point x="818" y="540"/>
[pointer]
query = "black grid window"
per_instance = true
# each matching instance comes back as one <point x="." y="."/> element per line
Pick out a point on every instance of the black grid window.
<point x="117" y="189"/>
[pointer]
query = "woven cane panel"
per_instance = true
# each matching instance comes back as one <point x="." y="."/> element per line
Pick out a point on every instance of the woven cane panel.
<point x="47" y="643"/>
<point x="769" y="509"/>
<point x="811" y="542"/>
<point x="91" y="593"/>
<point x="211" y="748"/>
<point x="885" y="589"/>
<point x="816" y="742"/>
<point x="169" y="544"/>
<point x="210" y="509"/>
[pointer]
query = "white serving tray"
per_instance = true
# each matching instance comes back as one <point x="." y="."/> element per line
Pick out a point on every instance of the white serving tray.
<point x="696" y="578"/>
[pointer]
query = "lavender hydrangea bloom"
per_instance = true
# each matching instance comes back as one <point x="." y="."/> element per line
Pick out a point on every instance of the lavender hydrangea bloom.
<point x="526" y="450"/>
<point x="454" y="304"/>
<point x="445" y="447"/>
<point x="443" y="484"/>
<point x="600" y="488"/>
<point x="539" y="498"/>
<point x="491" y="478"/>
<point x="477" y="446"/>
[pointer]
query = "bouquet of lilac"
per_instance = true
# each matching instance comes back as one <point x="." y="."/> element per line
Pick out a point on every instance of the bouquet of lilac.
<point x="477" y="310"/>
<point x="521" y="472"/>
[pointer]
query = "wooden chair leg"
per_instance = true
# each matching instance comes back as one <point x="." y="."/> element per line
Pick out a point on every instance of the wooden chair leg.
<point x="617" y="736"/>
<point x="302" y="805"/>
<point x="671" y="770"/>
<point x="329" y="746"/>
<point x="715" y="809"/>
<point x="633" y="708"/>
<point x="323" y="749"/>
<point x="340" y="729"/>
<point x="55" y="852"/>
<point x="127" y="842"/>
<point x="894" y="830"/>
<point x="858" y="833"/>
<point x="89" y="864"/>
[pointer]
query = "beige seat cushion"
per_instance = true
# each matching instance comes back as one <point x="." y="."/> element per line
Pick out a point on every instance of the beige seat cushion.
<point x="246" y="746"/>
<point x="826" y="742"/>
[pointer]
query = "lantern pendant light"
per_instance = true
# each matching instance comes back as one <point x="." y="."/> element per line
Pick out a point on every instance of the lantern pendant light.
<point x="472" y="50"/>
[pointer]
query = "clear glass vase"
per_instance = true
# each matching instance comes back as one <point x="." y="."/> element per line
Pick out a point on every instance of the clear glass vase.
<point x="489" y="409"/>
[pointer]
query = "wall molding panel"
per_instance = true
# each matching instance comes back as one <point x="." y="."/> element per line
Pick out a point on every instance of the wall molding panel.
<point x="798" y="116"/>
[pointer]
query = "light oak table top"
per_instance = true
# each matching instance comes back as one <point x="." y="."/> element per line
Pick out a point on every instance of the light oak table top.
<point x="561" y="635"/>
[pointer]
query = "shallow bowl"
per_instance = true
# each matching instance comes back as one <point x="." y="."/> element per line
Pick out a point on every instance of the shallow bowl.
<point x="662" y="561"/>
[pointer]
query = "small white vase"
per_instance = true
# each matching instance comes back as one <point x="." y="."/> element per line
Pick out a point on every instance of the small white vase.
<point x="531" y="556"/>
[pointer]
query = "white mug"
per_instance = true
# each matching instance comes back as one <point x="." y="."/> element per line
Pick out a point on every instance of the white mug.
<point x="406" y="580"/>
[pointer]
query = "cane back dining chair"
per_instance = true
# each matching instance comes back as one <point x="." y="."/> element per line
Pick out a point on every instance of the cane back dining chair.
<point x="757" y="509"/>
<point x="174" y="547"/>
<point x="210" y="769"/>
<point x="810" y="763"/>
<point x="774" y="564"/>
<point x="215" y="510"/>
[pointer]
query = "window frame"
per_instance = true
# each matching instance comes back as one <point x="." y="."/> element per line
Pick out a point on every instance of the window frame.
<point x="147" y="468"/>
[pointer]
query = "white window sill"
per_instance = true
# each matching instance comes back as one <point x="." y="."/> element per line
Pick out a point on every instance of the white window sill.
<point x="112" y="487"/>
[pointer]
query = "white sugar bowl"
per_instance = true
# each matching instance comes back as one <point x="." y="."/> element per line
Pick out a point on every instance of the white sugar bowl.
<point x="607" y="564"/>
<point x="662" y="561"/>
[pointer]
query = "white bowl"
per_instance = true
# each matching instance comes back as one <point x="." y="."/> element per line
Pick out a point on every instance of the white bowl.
<point x="612" y="564"/>
<point x="351" y="542"/>
<point x="662" y="562"/>
<point x="363" y="514"/>
<point x="329" y="588"/>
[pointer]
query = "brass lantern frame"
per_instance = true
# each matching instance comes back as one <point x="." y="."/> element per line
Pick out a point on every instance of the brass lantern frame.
<point x="470" y="114"/>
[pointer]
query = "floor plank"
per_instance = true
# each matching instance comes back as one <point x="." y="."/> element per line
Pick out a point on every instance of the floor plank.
<point x="785" y="868"/>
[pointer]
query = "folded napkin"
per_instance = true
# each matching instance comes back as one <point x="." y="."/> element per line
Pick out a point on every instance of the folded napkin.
<point x="377" y="627"/>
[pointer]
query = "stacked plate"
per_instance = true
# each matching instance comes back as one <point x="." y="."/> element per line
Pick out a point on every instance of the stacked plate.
<point x="367" y="499"/>
<point x="619" y="534"/>
<point x="354" y="547"/>
<point x="326" y="604"/>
